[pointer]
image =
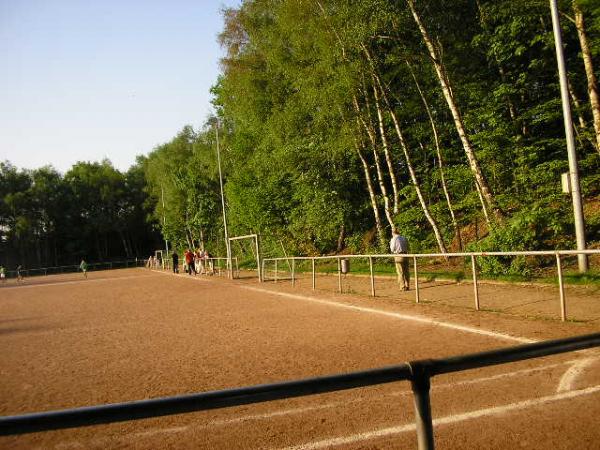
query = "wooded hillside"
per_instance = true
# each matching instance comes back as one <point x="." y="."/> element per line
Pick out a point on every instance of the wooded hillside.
<point x="444" y="118"/>
<point x="339" y="119"/>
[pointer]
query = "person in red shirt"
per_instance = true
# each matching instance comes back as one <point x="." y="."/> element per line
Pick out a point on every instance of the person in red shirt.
<point x="189" y="262"/>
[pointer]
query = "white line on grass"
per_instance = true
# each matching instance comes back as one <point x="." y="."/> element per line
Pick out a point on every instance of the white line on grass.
<point x="385" y="432"/>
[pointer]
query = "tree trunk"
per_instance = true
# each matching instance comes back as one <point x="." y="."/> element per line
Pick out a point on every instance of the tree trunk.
<point x="341" y="237"/>
<point x="384" y="140"/>
<point x="577" y="105"/>
<point x="386" y="152"/>
<point x="411" y="171"/>
<point x="589" y="72"/>
<point x="372" y="196"/>
<point x="439" y="157"/>
<point x="124" y="242"/>
<point x="98" y="250"/>
<point x="445" y="84"/>
<point x="485" y="211"/>
<point x="373" y="139"/>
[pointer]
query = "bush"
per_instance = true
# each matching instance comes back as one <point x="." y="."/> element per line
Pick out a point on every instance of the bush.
<point x="533" y="229"/>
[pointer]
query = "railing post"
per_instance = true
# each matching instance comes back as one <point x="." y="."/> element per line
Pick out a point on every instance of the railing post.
<point x="293" y="272"/>
<point x="258" y="267"/>
<point x="561" y="289"/>
<point x="421" y="384"/>
<point x="475" y="287"/>
<point x="314" y="280"/>
<point x="339" y="261"/>
<point x="372" y="277"/>
<point x="275" y="271"/>
<point x="417" y="298"/>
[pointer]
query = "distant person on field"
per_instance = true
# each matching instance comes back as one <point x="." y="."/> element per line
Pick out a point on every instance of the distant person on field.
<point x="189" y="261"/>
<point x="84" y="267"/>
<point x="202" y="260"/>
<point x="2" y="274"/>
<point x="208" y="263"/>
<point x="175" y="262"/>
<point x="399" y="246"/>
<point x="197" y="261"/>
<point x="19" y="270"/>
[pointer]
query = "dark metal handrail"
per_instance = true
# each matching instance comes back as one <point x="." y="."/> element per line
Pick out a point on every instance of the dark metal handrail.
<point x="418" y="372"/>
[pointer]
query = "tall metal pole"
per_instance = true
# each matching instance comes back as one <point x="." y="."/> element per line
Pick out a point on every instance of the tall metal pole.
<point x="573" y="169"/>
<point x="162" y="192"/>
<point x="227" y="243"/>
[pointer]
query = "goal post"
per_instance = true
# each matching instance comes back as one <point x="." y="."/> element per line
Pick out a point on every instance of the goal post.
<point x="159" y="259"/>
<point x="255" y="247"/>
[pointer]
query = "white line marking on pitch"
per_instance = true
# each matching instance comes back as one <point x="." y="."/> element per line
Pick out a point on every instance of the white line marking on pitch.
<point x="161" y="431"/>
<point x="308" y="409"/>
<point x="407" y="317"/>
<point x="394" y="394"/>
<point x="568" y="379"/>
<point x="385" y="432"/>
<point x="302" y="410"/>
<point x="86" y="280"/>
<point x="399" y="393"/>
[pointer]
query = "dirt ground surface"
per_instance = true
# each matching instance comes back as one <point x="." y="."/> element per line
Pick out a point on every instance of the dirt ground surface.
<point x="132" y="334"/>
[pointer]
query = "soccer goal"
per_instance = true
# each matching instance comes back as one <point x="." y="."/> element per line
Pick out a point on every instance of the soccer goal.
<point x="161" y="260"/>
<point x="245" y="255"/>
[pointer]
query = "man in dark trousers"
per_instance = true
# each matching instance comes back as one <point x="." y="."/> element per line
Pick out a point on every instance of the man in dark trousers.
<point x="175" y="262"/>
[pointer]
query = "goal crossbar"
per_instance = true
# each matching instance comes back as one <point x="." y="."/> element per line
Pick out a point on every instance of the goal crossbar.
<point x="255" y="238"/>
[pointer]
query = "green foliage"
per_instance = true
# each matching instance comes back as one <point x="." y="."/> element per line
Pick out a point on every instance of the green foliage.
<point x="534" y="229"/>
<point x="293" y="71"/>
<point x="93" y="211"/>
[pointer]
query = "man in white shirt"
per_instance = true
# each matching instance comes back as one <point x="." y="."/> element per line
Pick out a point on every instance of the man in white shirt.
<point x="398" y="246"/>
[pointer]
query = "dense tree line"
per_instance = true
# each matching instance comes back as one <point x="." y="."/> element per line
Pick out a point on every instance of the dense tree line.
<point x="441" y="117"/>
<point x="183" y="184"/>
<point x="340" y="119"/>
<point x="93" y="211"/>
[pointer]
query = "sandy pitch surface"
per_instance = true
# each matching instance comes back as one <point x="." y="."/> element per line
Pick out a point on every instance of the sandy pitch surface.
<point x="132" y="334"/>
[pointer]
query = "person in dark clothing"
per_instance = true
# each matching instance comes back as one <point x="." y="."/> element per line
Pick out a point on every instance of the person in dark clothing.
<point x="175" y="262"/>
<point x="19" y="271"/>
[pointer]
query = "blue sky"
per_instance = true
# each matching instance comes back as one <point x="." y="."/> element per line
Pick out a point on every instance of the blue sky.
<point x="84" y="80"/>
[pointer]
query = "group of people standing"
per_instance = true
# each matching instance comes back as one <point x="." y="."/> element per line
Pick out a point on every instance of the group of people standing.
<point x="18" y="273"/>
<point x="198" y="262"/>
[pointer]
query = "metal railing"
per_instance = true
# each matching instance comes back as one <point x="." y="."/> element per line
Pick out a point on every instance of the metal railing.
<point x="419" y="373"/>
<point x="108" y="265"/>
<point x="557" y="254"/>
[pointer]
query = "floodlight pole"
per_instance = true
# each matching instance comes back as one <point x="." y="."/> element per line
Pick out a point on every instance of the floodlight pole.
<point x="573" y="169"/>
<point x="227" y="243"/>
